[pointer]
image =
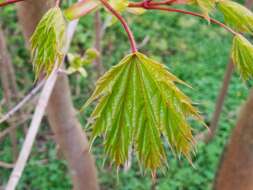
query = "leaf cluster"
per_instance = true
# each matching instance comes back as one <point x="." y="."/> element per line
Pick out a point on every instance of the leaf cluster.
<point x="140" y="106"/>
<point x="47" y="41"/>
<point x="241" y="19"/>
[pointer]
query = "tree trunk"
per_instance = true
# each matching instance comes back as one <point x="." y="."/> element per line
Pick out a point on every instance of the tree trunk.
<point x="61" y="114"/>
<point x="236" y="169"/>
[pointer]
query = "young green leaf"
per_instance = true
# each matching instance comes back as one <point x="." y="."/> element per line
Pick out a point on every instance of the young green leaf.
<point x="136" y="11"/>
<point x="237" y="16"/>
<point x="139" y="104"/>
<point x="77" y="62"/>
<point x="119" y="5"/>
<point x="80" y="9"/>
<point x="206" y="6"/>
<point x="242" y="55"/>
<point x="47" y="41"/>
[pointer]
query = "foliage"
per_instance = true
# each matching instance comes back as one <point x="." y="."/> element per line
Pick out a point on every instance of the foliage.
<point x="170" y="49"/>
<point x="77" y="62"/>
<point x="47" y="41"/>
<point x="138" y="103"/>
<point x="198" y="59"/>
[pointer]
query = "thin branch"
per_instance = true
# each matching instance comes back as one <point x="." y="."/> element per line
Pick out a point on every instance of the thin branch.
<point x="8" y="2"/>
<point x="124" y="23"/>
<point x="168" y="9"/>
<point x="10" y="129"/>
<point x="220" y="101"/>
<point x="26" y="99"/>
<point x="27" y="146"/>
<point x="147" y="4"/>
<point x="6" y="165"/>
<point x="37" y="117"/>
<point x="208" y="135"/>
<point x="10" y="90"/>
<point x="144" y="42"/>
<point x="152" y="3"/>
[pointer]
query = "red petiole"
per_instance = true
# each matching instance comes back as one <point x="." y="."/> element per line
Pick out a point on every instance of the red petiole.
<point x="124" y="23"/>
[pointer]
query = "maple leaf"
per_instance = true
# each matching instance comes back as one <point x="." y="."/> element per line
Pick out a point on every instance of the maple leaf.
<point x="47" y="41"/>
<point x="237" y="16"/>
<point x="242" y="55"/>
<point x="139" y="105"/>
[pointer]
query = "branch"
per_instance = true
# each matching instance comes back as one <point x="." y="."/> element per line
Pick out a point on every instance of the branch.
<point x="6" y="165"/>
<point x="124" y="23"/>
<point x="26" y="99"/>
<point x="11" y="128"/>
<point x="9" y="85"/>
<point x="152" y="3"/>
<point x="207" y="137"/>
<point x="8" y="2"/>
<point x="34" y="127"/>
<point x="37" y="117"/>
<point x="149" y="6"/>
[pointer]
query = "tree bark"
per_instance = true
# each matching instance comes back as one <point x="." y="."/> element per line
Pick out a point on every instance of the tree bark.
<point x="61" y="114"/>
<point x="236" y="169"/>
<point x="210" y="134"/>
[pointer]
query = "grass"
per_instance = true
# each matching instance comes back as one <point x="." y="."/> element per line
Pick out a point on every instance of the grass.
<point x="193" y="50"/>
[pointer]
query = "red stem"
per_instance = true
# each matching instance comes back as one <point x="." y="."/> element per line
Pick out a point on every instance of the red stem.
<point x="151" y="3"/>
<point x="124" y="23"/>
<point x="146" y="4"/>
<point x="168" y="9"/>
<point x="9" y="2"/>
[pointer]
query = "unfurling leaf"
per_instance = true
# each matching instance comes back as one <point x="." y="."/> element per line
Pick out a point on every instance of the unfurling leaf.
<point x="206" y="6"/>
<point x="119" y="5"/>
<point x="80" y="9"/>
<point x="139" y="105"/>
<point x="136" y="11"/>
<point x="237" y="16"/>
<point x="242" y="55"/>
<point x="47" y="41"/>
<point x="77" y="62"/>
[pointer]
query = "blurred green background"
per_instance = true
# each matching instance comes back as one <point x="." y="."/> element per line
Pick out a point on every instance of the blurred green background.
<point x="191" y="48"/>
